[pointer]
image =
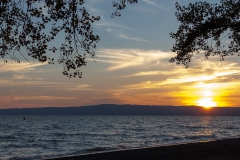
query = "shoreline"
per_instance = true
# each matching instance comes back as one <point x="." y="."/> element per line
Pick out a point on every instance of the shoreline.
<point x="223" y="149"/>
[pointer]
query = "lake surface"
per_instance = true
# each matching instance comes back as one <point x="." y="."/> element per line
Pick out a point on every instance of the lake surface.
<point x="40" y="137"/>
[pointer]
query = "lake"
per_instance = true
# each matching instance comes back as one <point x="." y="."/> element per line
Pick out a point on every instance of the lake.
<point x="39" y="137"/>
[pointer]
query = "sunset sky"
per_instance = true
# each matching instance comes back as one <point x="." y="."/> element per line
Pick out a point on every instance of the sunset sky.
<point x="132" y="67"/>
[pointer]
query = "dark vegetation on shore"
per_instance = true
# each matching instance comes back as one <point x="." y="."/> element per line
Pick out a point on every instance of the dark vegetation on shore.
<point x="113" y="109"/>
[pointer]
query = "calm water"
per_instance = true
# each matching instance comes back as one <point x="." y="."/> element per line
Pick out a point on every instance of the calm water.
<point x="40" y="137"/>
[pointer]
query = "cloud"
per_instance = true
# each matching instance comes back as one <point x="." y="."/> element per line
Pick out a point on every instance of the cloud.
<point x="126" y="58"/>
<point x="161" y="72"/>
<point x="25" y="101"/>
<point x="47" y="98"/>
<point x="94" y="10"/>
<point x="165" y="83"/>
<point x="144" y="9"/>
<point x="15" y="82"/>
<point x="109" y="30"/>
<point x="154" y="4"/>
<point x="181" y="79"/>
<point x="133" y="38"/>
<point x="22" y="80"/>
<point x="21" y="77"/>
<point x="81" y="87"/>
<point x="105" y="23"/>
<point x="19" y="67"/>
<point x="96" y="1"/>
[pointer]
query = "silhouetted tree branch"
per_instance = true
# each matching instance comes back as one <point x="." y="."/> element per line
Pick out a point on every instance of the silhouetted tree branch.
<point x="121" y="4"/>
<point x="210" y="28"/>
<point x="33" y="24"/>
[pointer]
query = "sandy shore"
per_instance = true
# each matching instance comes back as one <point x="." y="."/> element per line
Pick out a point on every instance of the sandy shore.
<point x="215" y="150"/>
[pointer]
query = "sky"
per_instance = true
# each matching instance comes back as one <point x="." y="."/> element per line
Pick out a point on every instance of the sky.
<point x="132" y="67"/>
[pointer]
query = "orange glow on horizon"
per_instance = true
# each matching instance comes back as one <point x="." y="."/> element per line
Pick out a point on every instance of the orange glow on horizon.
<point x="206" y="95"/>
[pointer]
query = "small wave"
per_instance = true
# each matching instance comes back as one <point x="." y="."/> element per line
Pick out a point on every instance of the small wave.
<point x="139" y="129"/>
<point x="60" y="134"/>
<point x="177" y="138"/>
<point x="56" y="126"/>
<point x="26" y="158"/>
<point x="34" y="157"/>
<point x="223" y="131"/>
<point x="231" y="127"/>
<point x="201" y="137"/>
<point x="100" y="149"/>
<point x="8" y="137"/>
<point x="12" y="146"/>
<point x="172" y="139"/>
<point x="196" y="127"/>
<point x="66" y="134"/>
<point x="95" y="149"/>
<point x="121" y="147"/>
<point x="167" y="139"/>
<point x="30" y="140"/>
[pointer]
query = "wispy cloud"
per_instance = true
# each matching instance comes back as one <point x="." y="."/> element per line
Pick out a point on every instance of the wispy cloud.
<point x="27" y="82"/>
<point x="161" y="72"/>
<point x="133" y="38"/>
<point x="97" y="1"/>
<point x="154" y="4"/>
<point x="105" y="23"/>
<point x="21" y="77"/>
<point x="172" y="84"/>
<point x="94" y="10"/>
<point x="23" y="66"/>
<point x="81" y="87"/>
<point x="144" y="9"/>
<point x="22" y="80"/>
<point x="125" y="58"/>
<point x="42" y="98"/>
<point x="180" y="80"/>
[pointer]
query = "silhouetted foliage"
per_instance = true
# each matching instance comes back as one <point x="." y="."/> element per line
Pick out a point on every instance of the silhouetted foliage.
<point x="210" y="28"/>
<point x="121" y="4"/>
<point x="32" y="24"/>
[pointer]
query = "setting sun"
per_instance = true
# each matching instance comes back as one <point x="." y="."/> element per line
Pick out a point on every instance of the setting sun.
<point x="206" y="103"/>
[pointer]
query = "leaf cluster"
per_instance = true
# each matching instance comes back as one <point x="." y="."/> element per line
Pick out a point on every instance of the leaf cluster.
<point x="32" y="24"/>
<point x="23" y="26"/>
<point x="120" y="6"/>
<point x="210" y="28"/>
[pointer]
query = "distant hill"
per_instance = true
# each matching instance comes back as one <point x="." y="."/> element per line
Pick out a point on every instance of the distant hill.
<point x="113" y="109"/>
